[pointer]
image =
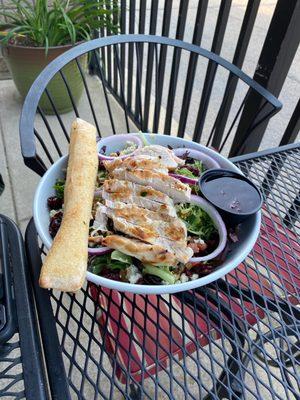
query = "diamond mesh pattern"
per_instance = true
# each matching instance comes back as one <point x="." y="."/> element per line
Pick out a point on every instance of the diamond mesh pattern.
<point x="236" y="338"/>
<point x="11" y="370"/>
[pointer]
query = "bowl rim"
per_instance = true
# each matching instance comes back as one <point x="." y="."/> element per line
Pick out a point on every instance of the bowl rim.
<point x="222" y="270"/>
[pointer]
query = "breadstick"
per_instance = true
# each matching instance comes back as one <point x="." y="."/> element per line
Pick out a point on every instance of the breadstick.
<point x="65" y="265"/>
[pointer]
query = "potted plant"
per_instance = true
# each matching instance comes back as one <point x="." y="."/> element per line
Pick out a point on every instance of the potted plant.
<point x="36" y="33"/>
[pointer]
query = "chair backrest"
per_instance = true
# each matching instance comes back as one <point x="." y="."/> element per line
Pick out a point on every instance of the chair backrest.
<point x="163" y="85"/>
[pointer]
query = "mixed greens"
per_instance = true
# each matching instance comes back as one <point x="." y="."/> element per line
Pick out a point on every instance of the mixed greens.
<point x="55" y="205"/>
<point x="115" y="261"/>
<point x="121" y="267"/>
<point x="192" y="169"/>
<point x="101" y="176"/>
<point x="59" y="188"/>
<point x="197" y="221"/>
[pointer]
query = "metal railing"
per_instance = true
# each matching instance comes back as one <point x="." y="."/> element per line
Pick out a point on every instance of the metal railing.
<point x="181" y="20"/>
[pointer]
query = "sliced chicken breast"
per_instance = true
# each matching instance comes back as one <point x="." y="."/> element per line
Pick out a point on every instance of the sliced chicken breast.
<point x="124" y="186"/>
<point x="166" y="156"/>
<point x="142" y="162"/>
<point x="164" y="225"/>
<point x="151" y="227"/>
<point x="162" y="209"/>
<point x="142" y="196"/>
<point x="149" y="235"/>
<point x="175" y="189"/>
<point x="147" y="253"/>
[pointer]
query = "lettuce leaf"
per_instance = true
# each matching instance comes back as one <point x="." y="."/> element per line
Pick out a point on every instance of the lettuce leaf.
<point x="197" y="221"/>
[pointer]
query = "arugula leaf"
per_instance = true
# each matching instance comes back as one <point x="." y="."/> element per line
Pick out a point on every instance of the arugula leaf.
<point x="163" y="273"/>
<point x="185" y="172"/>
<point x="199" y="165"/>
<point x="119" y="256"/>
<point x="59" y="188"/>
<point x="197" y="221"/>
<point x="196" y="169"/>
<point x="102" y="175"/>
<point x="117" y="265"/>
<point x="195" y="189"/>
<point x="98" y="263"/>
<point x="114" y="261"/>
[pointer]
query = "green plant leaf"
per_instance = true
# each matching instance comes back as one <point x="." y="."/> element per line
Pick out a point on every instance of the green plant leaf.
<point x="62" y="22"/>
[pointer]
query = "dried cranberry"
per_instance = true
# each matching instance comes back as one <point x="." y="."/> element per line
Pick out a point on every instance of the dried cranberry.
<point x="151" y="280"/>
<point x="202" y="269"/>
<point x="188" y="272"/>
<point x="55" y="223"/>
<point x="54" y="203"/>
<point x="101" y="166"/>
<point x="109" y="274"/>
<point x="139" y="264"/>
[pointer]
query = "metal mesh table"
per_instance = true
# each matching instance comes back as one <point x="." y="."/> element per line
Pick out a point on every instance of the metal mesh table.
<point x="236" y="338"/>
<point x="21" y="366"/>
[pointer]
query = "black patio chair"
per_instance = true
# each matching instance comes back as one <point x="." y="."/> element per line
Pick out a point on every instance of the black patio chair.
<point x="155" y="87"/>
<point x="157" y="81"/>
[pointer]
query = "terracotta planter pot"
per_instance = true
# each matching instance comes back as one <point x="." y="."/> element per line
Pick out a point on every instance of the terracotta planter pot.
<point x="25" y="64"/>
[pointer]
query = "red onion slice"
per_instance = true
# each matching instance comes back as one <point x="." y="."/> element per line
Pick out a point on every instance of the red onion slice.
<point x="219" y="224"/>
<point x="184" y="179"/>
<point x="97" y="251"/>
<point x="208" y="161"/>
<point x="117" y="141"/>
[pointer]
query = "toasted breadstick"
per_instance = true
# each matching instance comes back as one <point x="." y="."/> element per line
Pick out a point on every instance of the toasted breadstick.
<point x="65" y="265"/>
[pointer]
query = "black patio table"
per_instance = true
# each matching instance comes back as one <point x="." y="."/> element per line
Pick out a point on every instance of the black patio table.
<point x="236" y="338"/>
<point x="22" y="371"/>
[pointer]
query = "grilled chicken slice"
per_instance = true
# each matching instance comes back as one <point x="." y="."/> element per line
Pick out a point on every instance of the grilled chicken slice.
<point x="143" y="196"/>
<point x="143" y="162"/>
<point x="178" y="191"/>
<point x="135" y="214"/>
<point x="147" y="253"/>
<point x="147" y="234"/>
<point x="166" y="156"/>
<point x="151" y="227"/>
<point x="121" y="186"/>
<point x="162" y="209"/>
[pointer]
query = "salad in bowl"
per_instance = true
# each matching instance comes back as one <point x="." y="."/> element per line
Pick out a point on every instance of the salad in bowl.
<point x="148" y="226"/>
<point x="149" y="230"/>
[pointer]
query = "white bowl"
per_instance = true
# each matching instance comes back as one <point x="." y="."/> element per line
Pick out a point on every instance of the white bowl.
<point x="247" y="235"/>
